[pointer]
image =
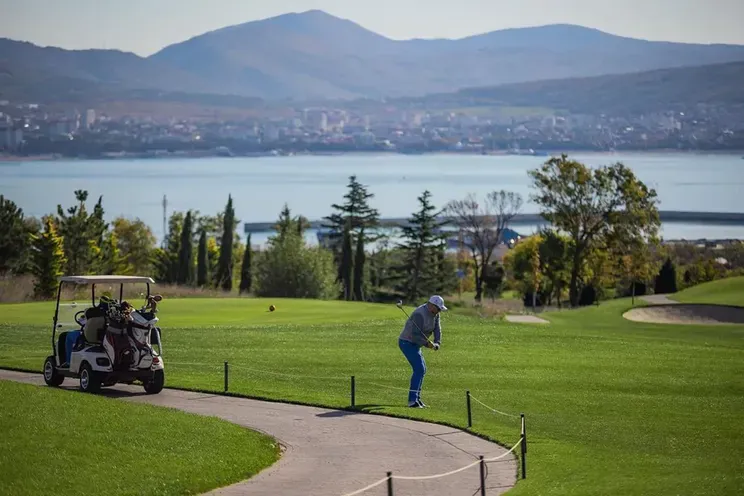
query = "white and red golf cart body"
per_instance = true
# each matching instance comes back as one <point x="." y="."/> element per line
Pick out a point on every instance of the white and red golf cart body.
<point x="110" y="342"/>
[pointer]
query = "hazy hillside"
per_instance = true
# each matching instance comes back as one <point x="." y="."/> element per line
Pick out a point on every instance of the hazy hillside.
<point x="663" y="89"/>
<point x="53" y="73"/>
<point x="315" y="55"/>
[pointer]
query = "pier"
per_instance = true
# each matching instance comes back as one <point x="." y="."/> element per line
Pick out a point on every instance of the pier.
<point x="666" y="217"/>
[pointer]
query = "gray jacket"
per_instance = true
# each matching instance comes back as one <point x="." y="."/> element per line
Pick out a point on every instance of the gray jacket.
<point x="427" y="322"/>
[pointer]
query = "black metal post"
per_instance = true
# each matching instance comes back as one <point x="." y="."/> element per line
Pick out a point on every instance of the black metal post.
<point x="523" y="447"/>
<point x="524" y="432"/>
<point x="353" y="391"/>
<point x="483" y="476"/>
<point x="226" y="376"/>
<point x="470" y="412"/>
<point x="390" y="483"/>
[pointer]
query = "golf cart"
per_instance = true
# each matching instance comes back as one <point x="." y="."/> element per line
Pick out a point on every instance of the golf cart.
<point x="113" y="343"/>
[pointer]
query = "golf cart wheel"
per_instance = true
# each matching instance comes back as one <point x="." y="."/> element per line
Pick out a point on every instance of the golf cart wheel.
<point x="51" y="376"/>
<point x="155" y="385"/>
<point x="89" y="381"/>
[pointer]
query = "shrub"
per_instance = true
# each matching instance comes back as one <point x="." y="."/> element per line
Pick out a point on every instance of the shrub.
<point x="291" y="269"/>
<point x="666" y="281"/>
<point x="588" y="296"/>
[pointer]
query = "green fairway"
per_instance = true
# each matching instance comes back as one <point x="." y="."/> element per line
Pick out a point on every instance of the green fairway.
<point x="612" y="406"/>
<point x="723" y="292"/>
<point x="57" y="442"/>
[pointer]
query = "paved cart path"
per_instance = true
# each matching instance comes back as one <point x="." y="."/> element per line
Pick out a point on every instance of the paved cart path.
<point x="332" y="452"/>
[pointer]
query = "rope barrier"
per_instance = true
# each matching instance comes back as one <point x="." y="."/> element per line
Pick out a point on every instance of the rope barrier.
<point x="493" y="409"/>
<point x="435" y="392"/>
<point x="435" y="476"/>
<point x="232" y="365"/>
<point x="282" y="374"/>
<point x="341" y="379"/>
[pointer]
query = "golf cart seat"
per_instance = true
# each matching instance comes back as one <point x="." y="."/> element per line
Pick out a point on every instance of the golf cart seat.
<point x="95" y="325"/>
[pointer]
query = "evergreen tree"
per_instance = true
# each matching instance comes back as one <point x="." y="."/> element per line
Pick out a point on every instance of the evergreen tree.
<point x="109" y="259"/>
<point x="285" y="222"/>
<point x="345" y="269"/>
<point x="225" y="265"/>
<point x="166" y="258"/>
<point x="246" y="272"/>
<point x="302" y="225"/>
<point x="48" y="259"/>
<point x="15" y="238"/>
<point x="423" y="252"/>
<point x="213" y="257"/>
<point x="82" y="234"/>
<point x="359" y="259"/>
<point x="186" y="252"/>
<point x="361" y="219"/>
<point x="202" y="261"/>
<point x="446" y="279"/>
<point x="666" y="281"/>
<point x="493" y="280"/>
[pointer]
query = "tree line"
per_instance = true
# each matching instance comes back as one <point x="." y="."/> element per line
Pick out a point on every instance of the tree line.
<point x="604" y="236"/>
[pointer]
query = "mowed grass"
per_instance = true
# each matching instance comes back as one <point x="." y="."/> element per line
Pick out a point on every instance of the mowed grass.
<point x="728" y="291"/>
<point x="58" y="442"/>
<point x="612" y="406"/>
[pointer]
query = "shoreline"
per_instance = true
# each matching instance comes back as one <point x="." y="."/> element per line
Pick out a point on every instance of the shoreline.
<point x="7" y="158"/>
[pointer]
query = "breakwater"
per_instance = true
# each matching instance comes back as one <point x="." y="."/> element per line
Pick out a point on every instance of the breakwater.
<point x="666" y="216"/>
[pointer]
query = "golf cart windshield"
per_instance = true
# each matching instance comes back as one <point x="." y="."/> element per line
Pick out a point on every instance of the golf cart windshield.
<point x="109" y="280"/>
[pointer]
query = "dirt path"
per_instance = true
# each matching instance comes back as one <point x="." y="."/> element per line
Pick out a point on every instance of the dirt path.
<point x="332" y="452"/>
<point x="659" y="299"/>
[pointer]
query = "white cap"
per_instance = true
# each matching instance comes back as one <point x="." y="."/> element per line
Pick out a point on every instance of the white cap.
<point x="438" y="301"/>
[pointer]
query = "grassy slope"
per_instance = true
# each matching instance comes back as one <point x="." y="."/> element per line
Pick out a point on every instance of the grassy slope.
<point x="48" y="438"/>
<point x="724" y="292"/>
<point x="612" y="406"/>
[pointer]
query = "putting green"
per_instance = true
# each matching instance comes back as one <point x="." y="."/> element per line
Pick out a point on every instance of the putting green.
<point x="728" y="291"/>
<point x="612" y="406"/>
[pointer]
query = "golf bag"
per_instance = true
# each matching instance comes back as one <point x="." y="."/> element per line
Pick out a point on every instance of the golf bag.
<point x="127" y="339"/>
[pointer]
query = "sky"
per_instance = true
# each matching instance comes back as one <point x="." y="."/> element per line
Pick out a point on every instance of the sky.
<point x="146" y="26"/>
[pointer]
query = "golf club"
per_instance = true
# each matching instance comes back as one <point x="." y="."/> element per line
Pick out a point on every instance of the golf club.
<point x="400" y="305"/>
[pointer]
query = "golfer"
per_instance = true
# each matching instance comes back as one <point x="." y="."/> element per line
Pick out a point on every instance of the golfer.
<point x="418" y="328"/>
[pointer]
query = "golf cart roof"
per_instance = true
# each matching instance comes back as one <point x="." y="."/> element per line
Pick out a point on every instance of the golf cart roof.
<point x="106" y="279"/>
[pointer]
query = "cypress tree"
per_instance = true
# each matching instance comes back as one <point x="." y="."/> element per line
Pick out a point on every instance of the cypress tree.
<point x="166" y="258"/>
<point x="202" y="261"/>
<point x="346" y="266"/>
<point x="246" y="273"/>
<point x="186" y="252"/>
<point x="225" y="265"/>
<point x="666" y="281"/>
<point x="359" y="259"/>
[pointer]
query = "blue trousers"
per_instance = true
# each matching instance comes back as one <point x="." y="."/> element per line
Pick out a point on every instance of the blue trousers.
<point x="70" y="342"/>
<point x="413" y="354"/>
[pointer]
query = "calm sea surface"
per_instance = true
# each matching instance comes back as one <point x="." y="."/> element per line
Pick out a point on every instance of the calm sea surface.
<point x="310" y="184"/>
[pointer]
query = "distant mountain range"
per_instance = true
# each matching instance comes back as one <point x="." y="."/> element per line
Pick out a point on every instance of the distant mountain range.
<point x="314" y="55"/>
<point x="633" y="93"/>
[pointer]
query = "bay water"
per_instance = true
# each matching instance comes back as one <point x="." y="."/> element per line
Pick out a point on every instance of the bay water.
<point x="310" y="184"/>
